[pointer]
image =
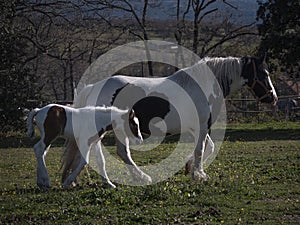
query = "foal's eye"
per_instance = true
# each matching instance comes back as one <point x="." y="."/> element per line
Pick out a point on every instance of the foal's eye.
<point x="133" y="124"/>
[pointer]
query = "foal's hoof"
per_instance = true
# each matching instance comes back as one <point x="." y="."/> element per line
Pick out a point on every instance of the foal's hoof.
<point x="147" y="179"/>
<point x="44" y="187"/>
<point x="200" y="176"/>
<point x="109" y="185"/>
<point x="44" y="184"/>
<point x="142" y="179"/>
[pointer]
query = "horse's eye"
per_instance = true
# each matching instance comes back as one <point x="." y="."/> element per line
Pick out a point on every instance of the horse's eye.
<point x="265" y="75"/>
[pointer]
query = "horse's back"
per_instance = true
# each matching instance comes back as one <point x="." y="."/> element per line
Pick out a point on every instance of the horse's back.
<point x="103" y="92"/>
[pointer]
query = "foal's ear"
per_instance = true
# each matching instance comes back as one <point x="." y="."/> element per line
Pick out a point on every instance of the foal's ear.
<point x="131" y="114"/>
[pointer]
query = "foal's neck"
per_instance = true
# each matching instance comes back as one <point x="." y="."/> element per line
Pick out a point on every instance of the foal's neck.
<point x="103" y="118"/>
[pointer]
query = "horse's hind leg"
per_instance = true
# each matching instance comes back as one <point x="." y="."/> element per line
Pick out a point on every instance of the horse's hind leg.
<point x="198" y="170"/>
<point x="124" y="153"/>
<point x="40" y="150"/>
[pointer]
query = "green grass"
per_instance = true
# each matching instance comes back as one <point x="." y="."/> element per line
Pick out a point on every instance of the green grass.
<point x="253" y="182"/>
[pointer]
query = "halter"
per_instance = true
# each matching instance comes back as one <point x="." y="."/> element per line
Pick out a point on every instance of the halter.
<point x="257" y="81"/>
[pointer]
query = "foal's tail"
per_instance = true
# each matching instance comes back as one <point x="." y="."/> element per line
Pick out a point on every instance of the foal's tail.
<point x="30" y="127"/>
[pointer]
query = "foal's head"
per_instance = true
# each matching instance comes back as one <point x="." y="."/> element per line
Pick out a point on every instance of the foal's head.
<point x="127" y="126"/>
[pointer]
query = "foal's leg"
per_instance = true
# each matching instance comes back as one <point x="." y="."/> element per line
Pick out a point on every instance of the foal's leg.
<point x="124" y="153"/>
<point x="40" y="151"/>
<point x="84" y="149"/>
<point x="70" y="159"/>
<point x="198" y="170"/>
<point x="72" y="177"/>
<point x="101" y="164"/>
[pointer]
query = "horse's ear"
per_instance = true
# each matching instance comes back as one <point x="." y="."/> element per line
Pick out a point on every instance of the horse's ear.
<point x="246" y="60"/>
<point x="263" y="58"/>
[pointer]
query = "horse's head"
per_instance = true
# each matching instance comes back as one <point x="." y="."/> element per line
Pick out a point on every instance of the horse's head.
<point x="258" y="80"/>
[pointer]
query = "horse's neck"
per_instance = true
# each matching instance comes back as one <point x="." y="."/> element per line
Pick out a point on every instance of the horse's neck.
<point x="228" y="73"/>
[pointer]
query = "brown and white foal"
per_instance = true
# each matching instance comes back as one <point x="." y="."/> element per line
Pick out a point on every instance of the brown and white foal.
<point x="87" y="126"/>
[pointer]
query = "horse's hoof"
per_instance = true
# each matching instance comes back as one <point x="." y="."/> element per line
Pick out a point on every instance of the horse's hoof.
<point x="74" y="184"/>
<point x="66" y="184"/>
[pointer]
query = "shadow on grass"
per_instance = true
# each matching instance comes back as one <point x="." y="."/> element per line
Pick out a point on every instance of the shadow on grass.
<point x="262" y="134"/>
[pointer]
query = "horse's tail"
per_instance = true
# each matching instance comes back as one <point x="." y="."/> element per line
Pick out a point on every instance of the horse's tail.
<point x="30" y="127"/>
<point x="81" y="97"/>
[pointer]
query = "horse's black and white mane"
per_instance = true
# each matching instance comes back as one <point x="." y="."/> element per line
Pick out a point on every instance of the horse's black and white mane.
<point x="228" y="72"/>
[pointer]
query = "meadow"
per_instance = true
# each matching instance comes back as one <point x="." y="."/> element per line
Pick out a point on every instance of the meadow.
<point x="255" y="179"/>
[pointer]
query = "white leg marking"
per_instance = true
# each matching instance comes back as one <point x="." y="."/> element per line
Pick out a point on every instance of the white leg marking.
<point x="198" y="171"/>
<point x="124" y="152"/>
<point x="101" y="164"/>
<point x="42" y="174"/>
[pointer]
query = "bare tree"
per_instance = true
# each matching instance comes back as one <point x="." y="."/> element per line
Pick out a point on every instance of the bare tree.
<point x="208" y="29"/>
<point x="63" y="39"/>
<point x="136" y="24"/>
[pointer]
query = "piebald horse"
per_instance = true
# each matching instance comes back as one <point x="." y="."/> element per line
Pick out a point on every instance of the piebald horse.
<point x="57" y="120"/>
<point x="231" y="73"/>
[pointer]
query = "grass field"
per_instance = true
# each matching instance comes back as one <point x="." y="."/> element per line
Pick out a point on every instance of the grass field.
<point x="255" y="179"/>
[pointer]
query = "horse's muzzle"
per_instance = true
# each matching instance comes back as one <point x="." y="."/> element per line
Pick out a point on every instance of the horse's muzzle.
<point x="269" y="98"/>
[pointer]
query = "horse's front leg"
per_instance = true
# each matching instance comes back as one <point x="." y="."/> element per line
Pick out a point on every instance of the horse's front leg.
<point x="198" y="170"/>
<point x="124" y="153"/>
<point x="101" y="164"/>
<point x="40" y="150"/>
